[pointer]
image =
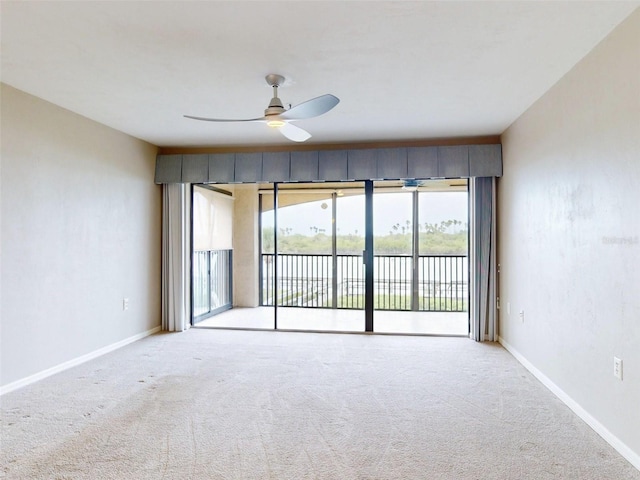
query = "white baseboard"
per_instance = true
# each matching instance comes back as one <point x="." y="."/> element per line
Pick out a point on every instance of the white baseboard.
<point x="610" y="438"/>
<point x="72" y="363"/>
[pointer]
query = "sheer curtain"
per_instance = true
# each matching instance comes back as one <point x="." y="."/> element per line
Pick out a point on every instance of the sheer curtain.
<point x="176" y="262"/>
<point x="482" y="213"/>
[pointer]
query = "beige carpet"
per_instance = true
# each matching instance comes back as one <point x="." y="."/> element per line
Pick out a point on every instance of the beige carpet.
<point x="214" y="404"/>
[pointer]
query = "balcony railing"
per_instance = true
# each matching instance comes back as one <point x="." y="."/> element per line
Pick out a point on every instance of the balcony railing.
<point x="211" y="282"/>
<point x="307" y="280"/>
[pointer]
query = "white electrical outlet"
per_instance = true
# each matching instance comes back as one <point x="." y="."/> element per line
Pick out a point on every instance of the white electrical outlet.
<point x="617" y="368"/>
<point x="125" y="304"/>
<point x="522" y="316"/>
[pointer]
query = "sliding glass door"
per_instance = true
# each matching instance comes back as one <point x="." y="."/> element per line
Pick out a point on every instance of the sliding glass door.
<point x="311" y="257"/>
<point x="211" y="263"/>
<point x="393" y="248"/>
<point x="421" y="266"/>
<point x="384" y="256"/>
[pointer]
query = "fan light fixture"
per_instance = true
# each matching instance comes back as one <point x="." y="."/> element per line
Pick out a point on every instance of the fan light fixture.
<point x="276" y="116"/>
<point x="276" y="123"/>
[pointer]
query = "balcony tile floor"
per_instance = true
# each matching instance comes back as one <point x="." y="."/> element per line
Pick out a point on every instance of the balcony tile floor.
<point x="321" y="319"/>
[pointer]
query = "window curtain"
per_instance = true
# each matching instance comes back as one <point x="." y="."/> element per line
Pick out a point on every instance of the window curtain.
<point x="482" y="213"/>
<point x="176" y="264"/>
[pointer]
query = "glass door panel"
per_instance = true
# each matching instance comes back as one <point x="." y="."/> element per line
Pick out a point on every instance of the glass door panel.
<point x="393" y="247"/>
<point x="350" y="235"/>
<point x="437" y="300"/>
<point x="443" y="256"/>
<point x="225" y="267"/>
<point x="211" y="252"/>
<point x="304" y="250"/>
<point x="443" y="247"/>
<point x="318" y="265"/>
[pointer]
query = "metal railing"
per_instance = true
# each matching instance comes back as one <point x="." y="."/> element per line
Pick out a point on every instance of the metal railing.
<point x="211" y="282"/>
<point x="306" y="280"/>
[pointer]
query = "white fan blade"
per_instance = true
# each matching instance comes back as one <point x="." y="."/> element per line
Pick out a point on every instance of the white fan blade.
<point x="311" y="108"/>
<point x="294" y="133"/>
<point x="262" y="119"/>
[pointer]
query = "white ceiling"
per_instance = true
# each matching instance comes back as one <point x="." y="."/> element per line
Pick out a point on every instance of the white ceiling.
<point x="403" y="70"/>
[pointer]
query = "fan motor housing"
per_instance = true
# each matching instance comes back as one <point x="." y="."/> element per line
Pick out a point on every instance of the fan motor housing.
<point x="274" y="110"/>
<point x="274" y="80"/>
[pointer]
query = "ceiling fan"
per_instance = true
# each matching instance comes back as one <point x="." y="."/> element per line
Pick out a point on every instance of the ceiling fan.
<point x="276" y="116"/>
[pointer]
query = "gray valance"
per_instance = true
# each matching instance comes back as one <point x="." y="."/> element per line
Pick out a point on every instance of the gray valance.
<point x="460" y="161"/>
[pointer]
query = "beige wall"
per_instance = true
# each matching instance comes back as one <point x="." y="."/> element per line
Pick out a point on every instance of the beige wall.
<point x="569" y="236"/>
<point x="245" y="246"/>
<point x="80" y="231"/>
